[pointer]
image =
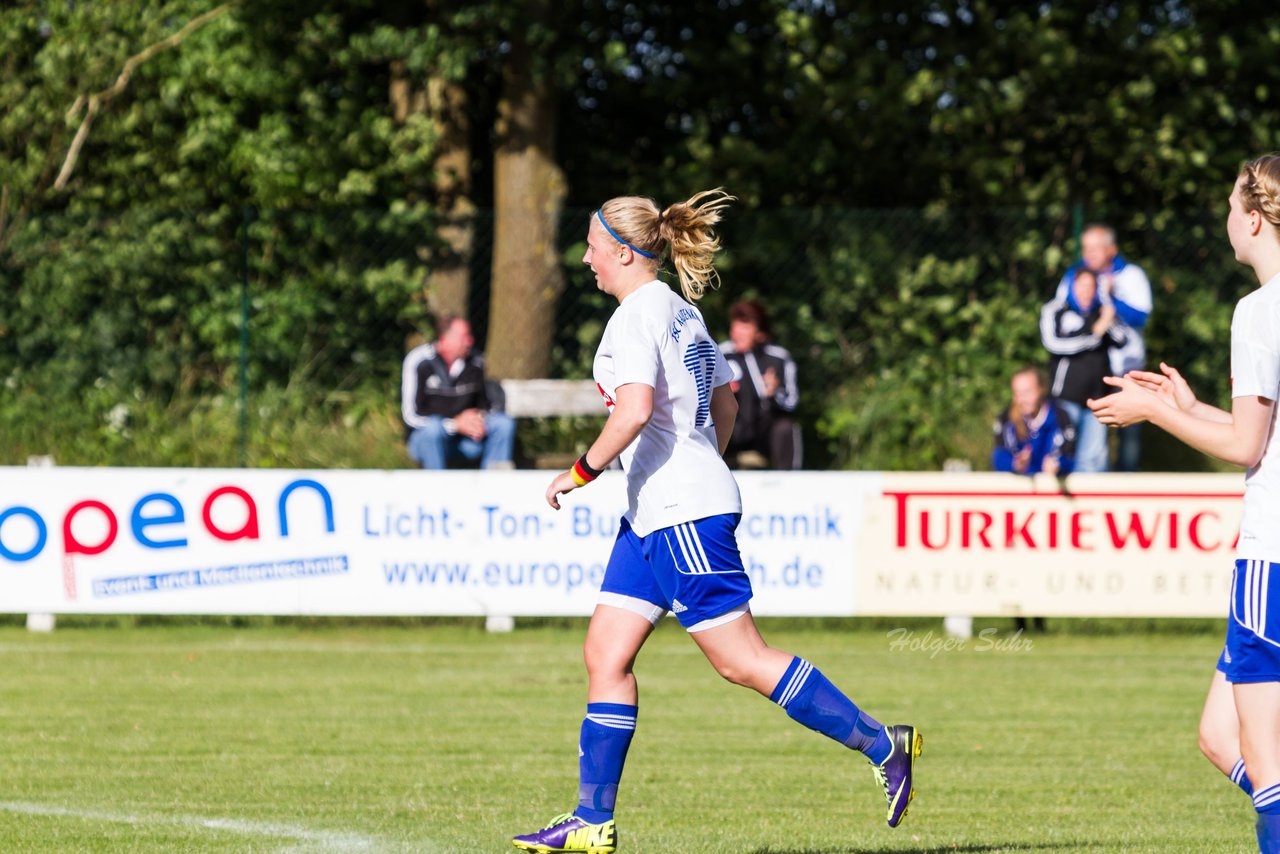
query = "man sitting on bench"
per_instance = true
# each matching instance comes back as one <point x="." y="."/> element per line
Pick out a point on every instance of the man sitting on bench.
<point x="446" y="406"/>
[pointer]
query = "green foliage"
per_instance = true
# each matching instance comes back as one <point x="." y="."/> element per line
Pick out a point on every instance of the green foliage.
<point x="903" y="323"/>
<point x="908" y="176"/>
<point x="297" y="427"/>
<point x="258" y="153"/>
<point x="992" y="124"/>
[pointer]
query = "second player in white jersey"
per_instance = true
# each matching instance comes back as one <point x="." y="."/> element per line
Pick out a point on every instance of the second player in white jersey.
<point x="1255" y="372"/>
<point x="1239" y="729"/>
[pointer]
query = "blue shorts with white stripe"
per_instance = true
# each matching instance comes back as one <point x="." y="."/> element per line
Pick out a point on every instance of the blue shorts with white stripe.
<point x="1252" y="651"/>
<point x="692" y="569"/>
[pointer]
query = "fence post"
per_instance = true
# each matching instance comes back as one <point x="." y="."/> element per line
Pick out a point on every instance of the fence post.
<point x="41" y="622"/>
<point x="247" y="218"/>
<point x="958" y="625"/>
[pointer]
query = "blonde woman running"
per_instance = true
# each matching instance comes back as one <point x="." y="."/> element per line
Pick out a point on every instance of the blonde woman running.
<point x="671" y="414"/>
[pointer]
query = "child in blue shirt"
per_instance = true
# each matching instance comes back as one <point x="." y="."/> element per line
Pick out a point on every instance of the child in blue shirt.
<point x="1034" y="435"/>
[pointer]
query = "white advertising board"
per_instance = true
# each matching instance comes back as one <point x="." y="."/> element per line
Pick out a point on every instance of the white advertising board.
<point x="98" y="540"/>
<point x="1098" y="546"/>
<point x="236" y="541"/>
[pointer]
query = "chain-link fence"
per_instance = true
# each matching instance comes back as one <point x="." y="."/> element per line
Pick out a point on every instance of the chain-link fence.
<point x="904" y="323"/>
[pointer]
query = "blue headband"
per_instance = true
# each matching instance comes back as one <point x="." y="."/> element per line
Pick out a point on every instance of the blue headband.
<point x="617" y="237"/>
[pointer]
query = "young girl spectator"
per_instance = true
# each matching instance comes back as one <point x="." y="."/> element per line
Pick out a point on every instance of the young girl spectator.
<point x="1034" y="435"/>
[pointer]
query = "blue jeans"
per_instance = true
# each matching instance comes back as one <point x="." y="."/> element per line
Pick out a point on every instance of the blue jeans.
<point x="1129" y="454"/>
<point x="433" y="448"/>
<point x="1091" y="438"/>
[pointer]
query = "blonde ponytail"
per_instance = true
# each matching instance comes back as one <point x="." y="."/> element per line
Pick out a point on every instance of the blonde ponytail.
<point x="686" y="228"/>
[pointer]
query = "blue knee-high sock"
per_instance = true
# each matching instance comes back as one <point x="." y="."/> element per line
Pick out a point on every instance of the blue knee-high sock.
<point x="1268" y="830"/>
<point x="1240" y="778"/>
<point x="811" y="699"/>
<point x="602" y="751"/>
<point x="1267" y="803"/>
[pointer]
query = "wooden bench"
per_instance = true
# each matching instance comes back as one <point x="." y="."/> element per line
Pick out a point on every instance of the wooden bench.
<point x="552" y="398"/>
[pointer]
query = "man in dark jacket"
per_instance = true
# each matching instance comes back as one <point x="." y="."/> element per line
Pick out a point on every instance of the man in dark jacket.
<point x="445" y="403"/>
<point x="764" y="383"/>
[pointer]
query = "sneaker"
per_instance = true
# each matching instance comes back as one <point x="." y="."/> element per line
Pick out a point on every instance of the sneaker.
<point x="897" y="773"/>
<point x="569" y="833"/>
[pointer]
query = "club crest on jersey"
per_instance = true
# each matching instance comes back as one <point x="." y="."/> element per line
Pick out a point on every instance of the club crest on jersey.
<point x="682" y="317"/>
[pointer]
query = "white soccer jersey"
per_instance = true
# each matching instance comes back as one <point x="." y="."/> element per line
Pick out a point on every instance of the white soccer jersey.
<point x="674" y="470"/>
<point x="1255" y="370"/>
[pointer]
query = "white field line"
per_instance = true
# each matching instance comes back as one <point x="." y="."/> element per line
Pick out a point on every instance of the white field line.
<point x="233" y="646"/>
<point x="324" y="840"/>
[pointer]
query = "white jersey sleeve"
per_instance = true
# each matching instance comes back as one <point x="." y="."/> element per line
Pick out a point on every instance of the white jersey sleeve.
<point x="1255" y="370"/>
<point x="1255" y="362"/>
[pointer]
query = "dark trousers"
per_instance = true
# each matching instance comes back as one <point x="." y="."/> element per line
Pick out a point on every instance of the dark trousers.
<point x="777" y="438"/>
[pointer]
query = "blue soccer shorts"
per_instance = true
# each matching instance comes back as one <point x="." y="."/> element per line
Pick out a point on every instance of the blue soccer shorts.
<point x="692" y="569"/>
<point x="1252" y="651"/>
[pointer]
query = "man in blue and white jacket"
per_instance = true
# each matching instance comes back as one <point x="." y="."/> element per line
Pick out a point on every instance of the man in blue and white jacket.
<point x="1125" y="286"/>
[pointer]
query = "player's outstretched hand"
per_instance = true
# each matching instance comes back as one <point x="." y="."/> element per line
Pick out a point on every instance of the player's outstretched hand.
<point x="1130" y="405"/>
<point x="563" y="483"/>
<point x="1168" y="385"/>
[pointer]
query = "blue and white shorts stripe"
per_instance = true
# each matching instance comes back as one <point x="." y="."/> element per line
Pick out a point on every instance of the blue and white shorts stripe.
<point x="1252" y="650"/>
<point x="1249" y="601"/>
<point x="692" y="569"/>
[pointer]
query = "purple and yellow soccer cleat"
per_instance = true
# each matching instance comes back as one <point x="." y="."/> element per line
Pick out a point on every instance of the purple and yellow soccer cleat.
<point x="568" y="833"/>
<point x="897" y="773"/>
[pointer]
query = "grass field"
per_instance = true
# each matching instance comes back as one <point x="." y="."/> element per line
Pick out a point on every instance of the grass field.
<point x="445" y="739"/>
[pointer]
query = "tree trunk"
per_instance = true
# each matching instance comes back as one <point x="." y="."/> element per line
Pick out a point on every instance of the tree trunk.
<point x="444" y="102"/>
<point x="529" y="192"/>
<point x="449" y="280"/>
